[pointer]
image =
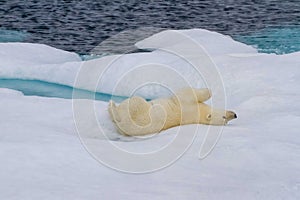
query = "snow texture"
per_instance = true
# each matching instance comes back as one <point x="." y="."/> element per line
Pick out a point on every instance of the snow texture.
<point x="257" y="157"/>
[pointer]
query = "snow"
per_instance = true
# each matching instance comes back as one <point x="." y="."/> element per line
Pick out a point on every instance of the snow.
<point x="34" y="54"/>
<point x="222" y="44"/>
<point x="257" y="156"/>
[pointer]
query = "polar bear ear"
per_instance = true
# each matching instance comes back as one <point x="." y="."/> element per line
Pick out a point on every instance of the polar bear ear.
<point x="208" y="117"/>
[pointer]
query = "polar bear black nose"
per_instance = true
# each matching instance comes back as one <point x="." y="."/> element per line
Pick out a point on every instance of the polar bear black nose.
<point x="230" y="115"/>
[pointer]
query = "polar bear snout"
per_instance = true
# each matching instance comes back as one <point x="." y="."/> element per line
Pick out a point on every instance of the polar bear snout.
<point x="230" y="115"/>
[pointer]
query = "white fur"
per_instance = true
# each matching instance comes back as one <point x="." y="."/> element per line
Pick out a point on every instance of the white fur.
<point x="135" y="116"/>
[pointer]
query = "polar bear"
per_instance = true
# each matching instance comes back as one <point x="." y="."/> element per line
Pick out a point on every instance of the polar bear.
<point x="137" y="117"/>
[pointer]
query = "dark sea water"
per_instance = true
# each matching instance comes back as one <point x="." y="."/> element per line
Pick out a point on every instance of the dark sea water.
<point x="80" y="25"/>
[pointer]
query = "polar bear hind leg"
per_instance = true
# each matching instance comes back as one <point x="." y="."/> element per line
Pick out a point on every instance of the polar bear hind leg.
<point x="112" y="109"/>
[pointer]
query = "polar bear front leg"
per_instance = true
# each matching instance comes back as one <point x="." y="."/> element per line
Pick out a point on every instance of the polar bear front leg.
<point x="202" y="94"/>
<point x="193" y="95"/>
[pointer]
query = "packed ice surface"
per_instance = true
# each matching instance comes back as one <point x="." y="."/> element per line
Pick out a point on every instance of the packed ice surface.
<point x="257" y="156"/>
<point x="118" y="74"/>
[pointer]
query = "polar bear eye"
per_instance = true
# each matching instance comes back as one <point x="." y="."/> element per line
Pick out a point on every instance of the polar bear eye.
<point x="208" y="117"/>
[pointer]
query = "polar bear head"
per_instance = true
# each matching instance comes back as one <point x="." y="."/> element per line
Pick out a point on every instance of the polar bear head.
<point x="194" y="110"/>
<point x="212" y="116"/>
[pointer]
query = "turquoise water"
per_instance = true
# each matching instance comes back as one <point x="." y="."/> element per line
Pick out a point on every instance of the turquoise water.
<point x="12" y="36"/>
<point x="278" y="40"/>
<point x="45" y="89"/>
